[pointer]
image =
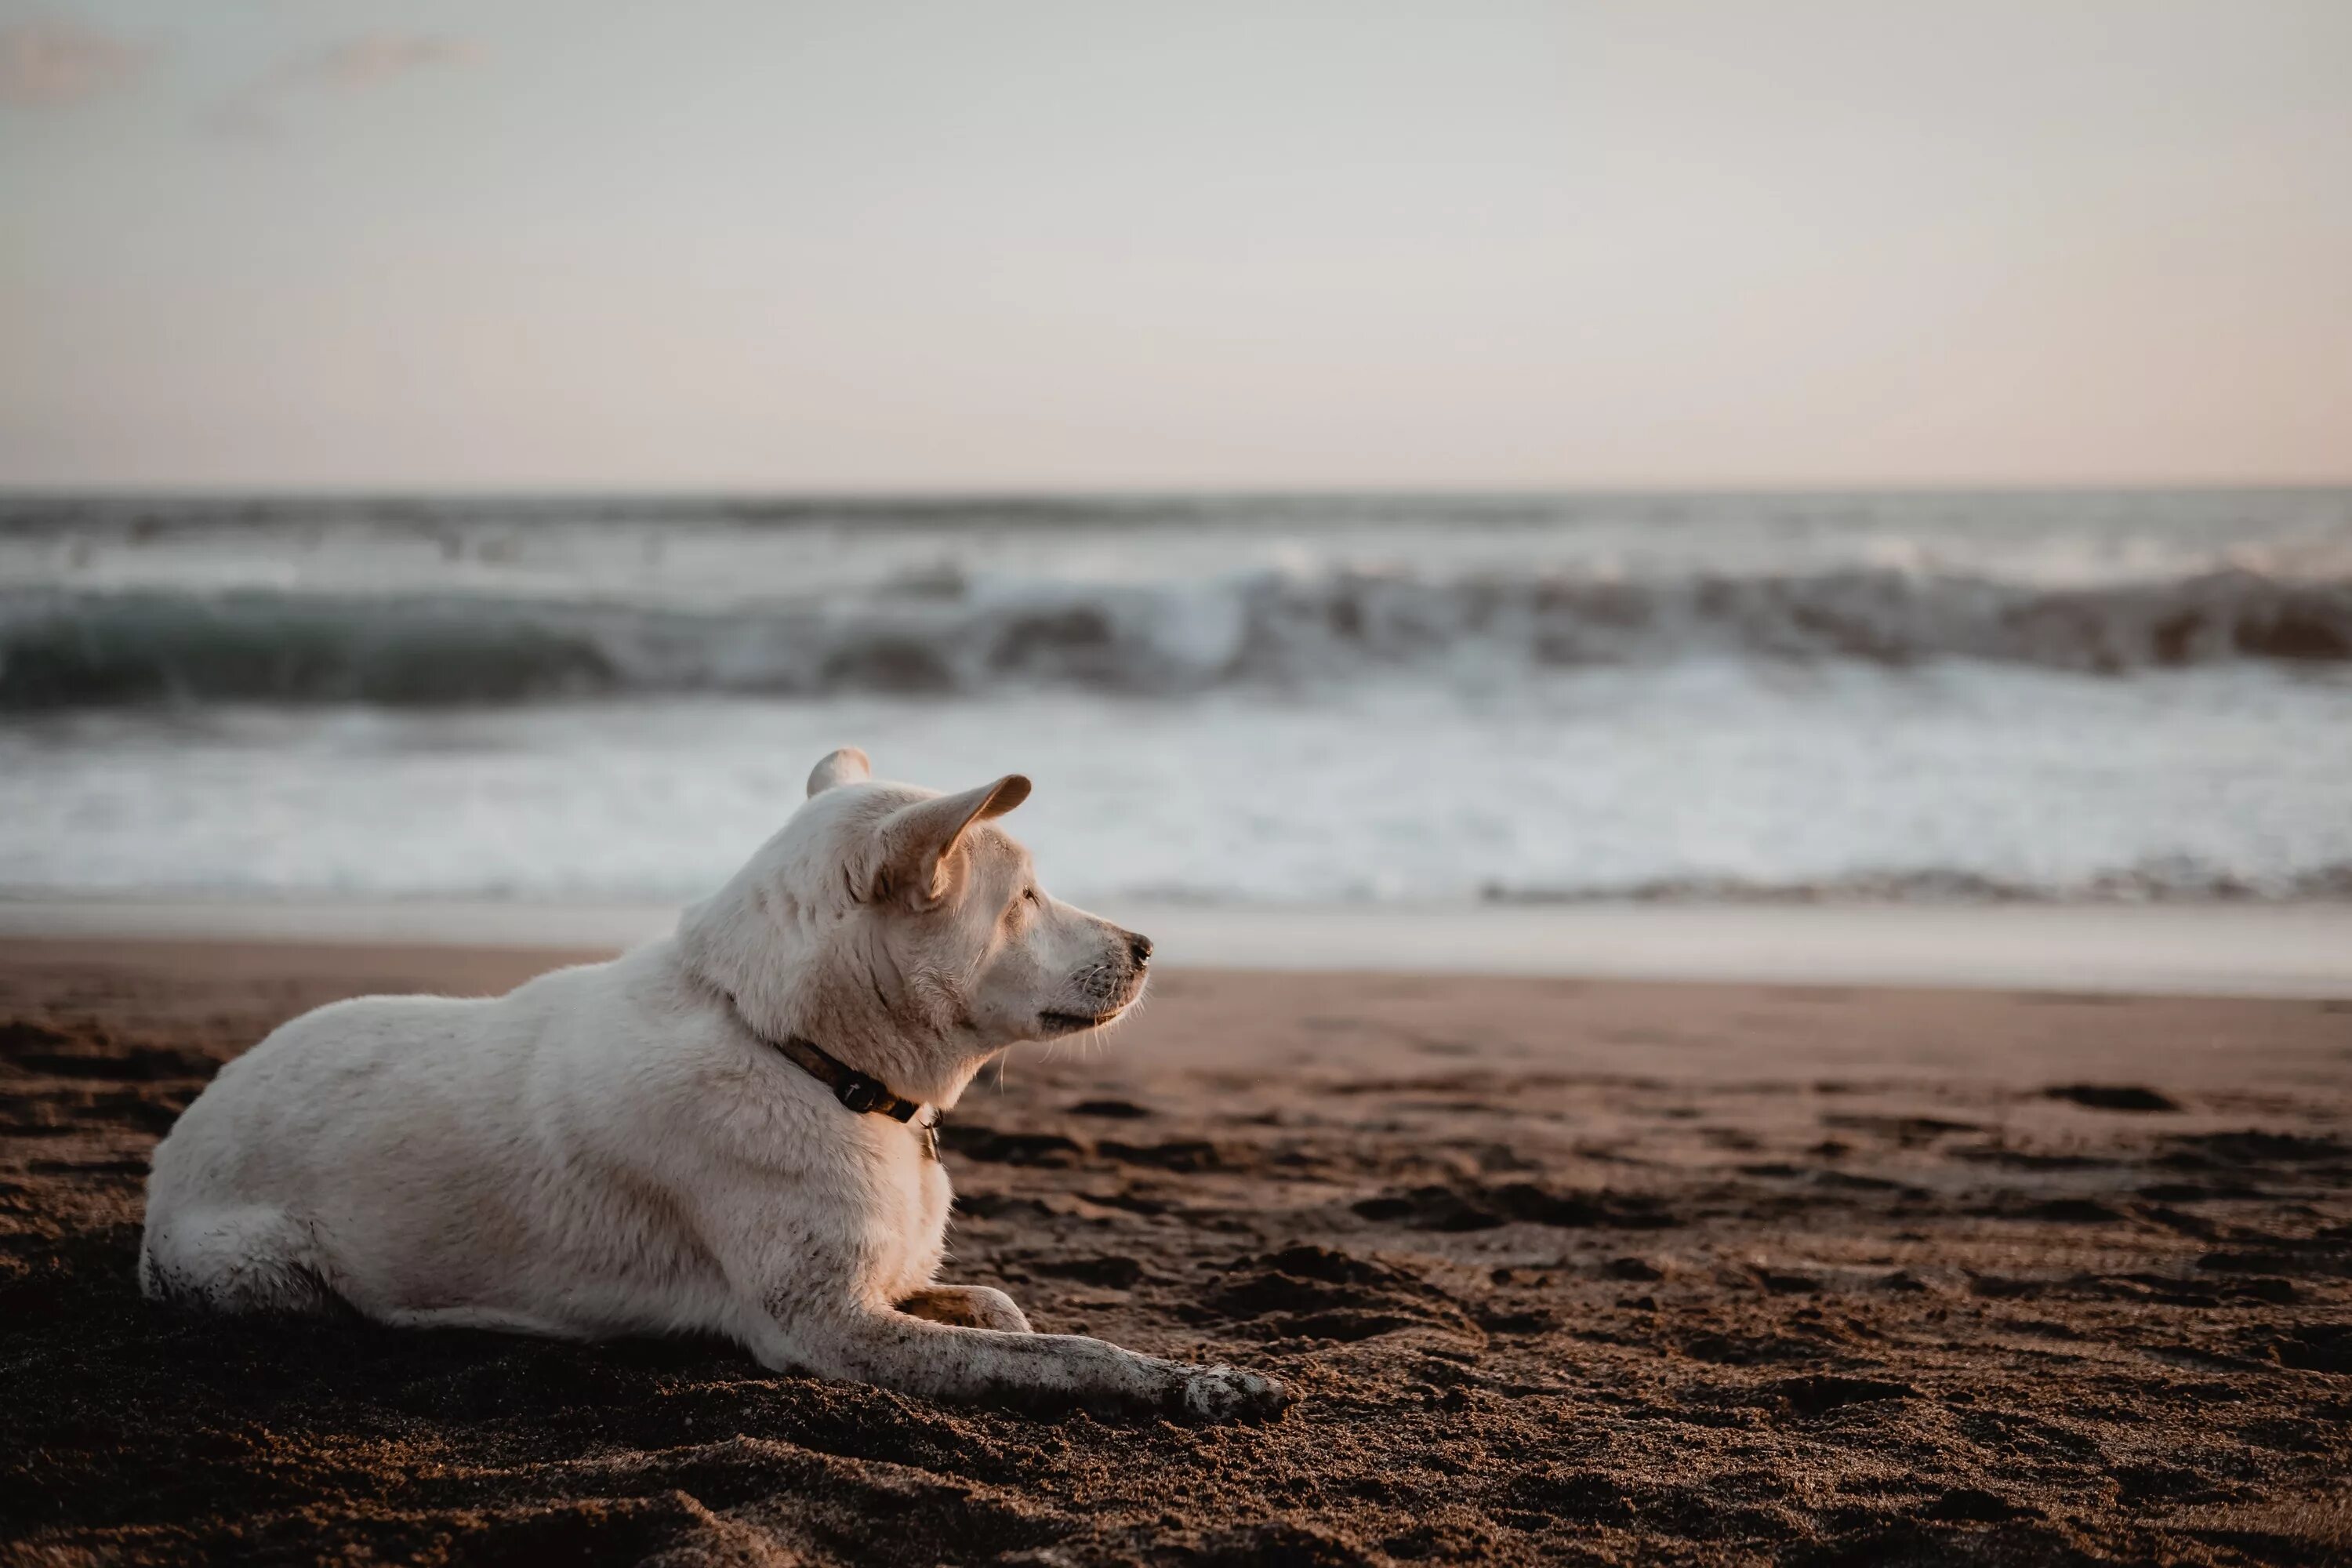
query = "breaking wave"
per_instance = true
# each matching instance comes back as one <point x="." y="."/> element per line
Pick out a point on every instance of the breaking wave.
<point x="2161" y="881"/>
<point x="63" y="647"/>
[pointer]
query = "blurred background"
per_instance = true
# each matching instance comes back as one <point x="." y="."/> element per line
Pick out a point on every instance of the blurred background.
<point x="1351" y="457"/>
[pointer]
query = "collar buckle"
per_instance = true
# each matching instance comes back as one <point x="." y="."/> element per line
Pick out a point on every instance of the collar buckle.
<point x="860" y="1093"/>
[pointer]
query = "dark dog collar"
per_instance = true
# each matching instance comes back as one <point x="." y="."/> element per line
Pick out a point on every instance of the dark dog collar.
<point x="861" y="1092"/>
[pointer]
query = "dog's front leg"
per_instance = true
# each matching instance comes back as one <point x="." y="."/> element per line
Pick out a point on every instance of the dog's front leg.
<point x="942" y="1361"/>
<point x="800" y="1304"/>
<point x="969" y="1305"/>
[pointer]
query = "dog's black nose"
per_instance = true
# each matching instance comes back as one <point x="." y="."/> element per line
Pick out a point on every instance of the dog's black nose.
<point x="1141" y="947"/>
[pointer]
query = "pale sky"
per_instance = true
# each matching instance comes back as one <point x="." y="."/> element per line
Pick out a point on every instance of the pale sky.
<point x="430" y="244"/>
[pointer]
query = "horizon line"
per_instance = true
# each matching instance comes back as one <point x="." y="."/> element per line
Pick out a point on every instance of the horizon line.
<point x="855" y="496"/>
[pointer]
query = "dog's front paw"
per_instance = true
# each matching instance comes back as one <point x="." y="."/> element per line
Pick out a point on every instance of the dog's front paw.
<point x="1229" y="1393"/>
<point x="992" y="1309"/>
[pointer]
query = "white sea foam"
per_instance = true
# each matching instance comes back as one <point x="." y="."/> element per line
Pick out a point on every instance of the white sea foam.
<point x="1371" y="701"/>
<point x="1695" y="780"/>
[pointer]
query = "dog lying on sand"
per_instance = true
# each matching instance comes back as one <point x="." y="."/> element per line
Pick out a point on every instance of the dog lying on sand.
<point x="729" y="1130"/>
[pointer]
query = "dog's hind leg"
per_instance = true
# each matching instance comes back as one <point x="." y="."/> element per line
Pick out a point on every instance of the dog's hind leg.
<point x="967" y="1306"/>
<point x="255" y="1259"/>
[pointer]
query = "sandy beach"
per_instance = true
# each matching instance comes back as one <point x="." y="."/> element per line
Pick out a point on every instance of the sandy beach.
<point x="1562" y="1270"/>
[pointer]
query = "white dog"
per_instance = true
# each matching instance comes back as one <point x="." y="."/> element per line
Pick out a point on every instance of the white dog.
<point x="729" y="1130"/>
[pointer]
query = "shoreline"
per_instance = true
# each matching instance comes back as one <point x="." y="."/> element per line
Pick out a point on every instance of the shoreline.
<point x="2286" y="950"/>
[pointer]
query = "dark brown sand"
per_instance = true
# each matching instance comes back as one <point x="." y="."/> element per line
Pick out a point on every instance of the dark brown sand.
<point x="1561" y="1271"/>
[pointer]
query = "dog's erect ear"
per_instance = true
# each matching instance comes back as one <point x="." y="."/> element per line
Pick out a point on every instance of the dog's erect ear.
<point x="917" y="839"/>
<point x="847" y="766"/>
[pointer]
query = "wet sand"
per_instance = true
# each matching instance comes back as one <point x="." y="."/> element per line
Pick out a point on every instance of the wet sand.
<point x="1562" y="1270"/>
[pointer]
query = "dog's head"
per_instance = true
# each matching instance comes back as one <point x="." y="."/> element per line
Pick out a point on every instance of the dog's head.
<point x="904" y="931"/>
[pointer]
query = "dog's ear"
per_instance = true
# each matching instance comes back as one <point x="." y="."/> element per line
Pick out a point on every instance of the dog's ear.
<point x="917" y="839"/>
<point x="847" y="766"/>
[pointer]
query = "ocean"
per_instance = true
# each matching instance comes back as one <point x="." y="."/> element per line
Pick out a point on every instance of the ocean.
<point x="1232" y="700"/>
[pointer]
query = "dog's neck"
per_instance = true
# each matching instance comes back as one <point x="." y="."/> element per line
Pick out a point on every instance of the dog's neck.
<point x="904" y="1068"/>
<point x="775" y="1001"/>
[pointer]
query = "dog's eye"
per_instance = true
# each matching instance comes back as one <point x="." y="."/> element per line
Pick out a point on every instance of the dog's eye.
<point x="1030" y="894"/>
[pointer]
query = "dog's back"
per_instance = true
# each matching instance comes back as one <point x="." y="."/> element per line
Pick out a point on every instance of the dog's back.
<point x="437" y="1129"/>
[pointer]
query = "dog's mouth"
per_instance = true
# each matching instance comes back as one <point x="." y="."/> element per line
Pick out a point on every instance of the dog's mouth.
<point x="1071" y="1023"/>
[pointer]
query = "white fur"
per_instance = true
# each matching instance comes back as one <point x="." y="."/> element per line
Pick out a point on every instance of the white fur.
<point x="618" y="1149"/>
